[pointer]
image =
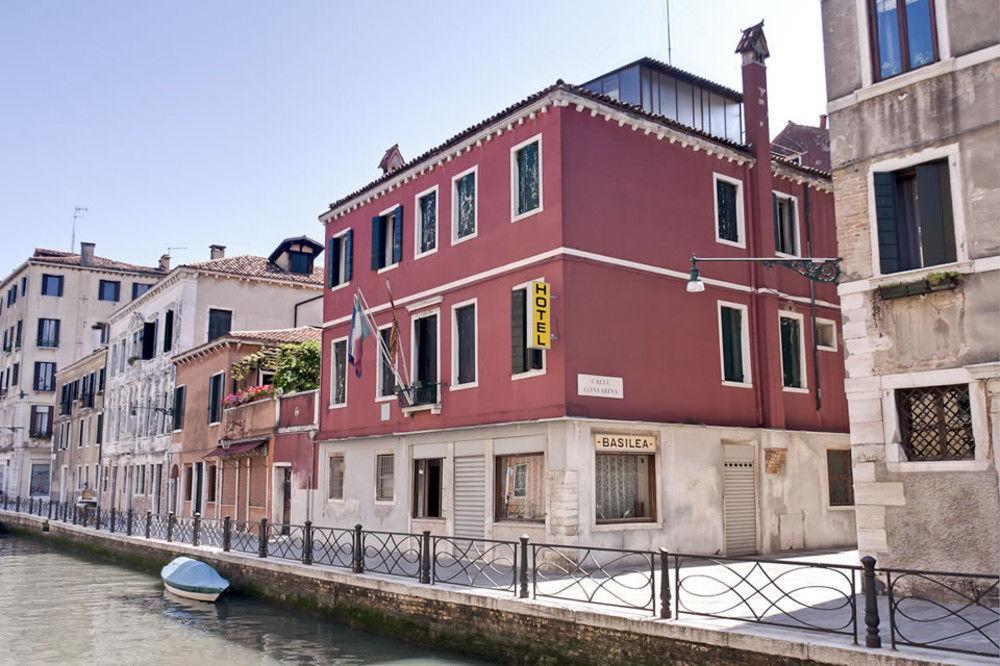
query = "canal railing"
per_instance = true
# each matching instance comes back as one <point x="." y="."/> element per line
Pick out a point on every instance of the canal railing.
<point x="947" y="611"/>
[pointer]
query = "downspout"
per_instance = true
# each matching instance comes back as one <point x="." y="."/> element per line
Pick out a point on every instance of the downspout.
<point x="807" y="211"/>
<point x="295" y="309"/>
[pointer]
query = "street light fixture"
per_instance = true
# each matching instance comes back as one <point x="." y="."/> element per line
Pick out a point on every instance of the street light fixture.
<point x="816" y="270"/>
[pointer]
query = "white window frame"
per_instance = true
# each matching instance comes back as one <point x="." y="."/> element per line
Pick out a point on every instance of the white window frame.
<point x="413" y="343"/>
<point x="378" y="502"/>
<point x="455" y="240"/>
<point x="329" y="479"/>
<point x="333" y="370"/>
<point x="821" y="321"/>
<point x="340" y="237"/>
<point x="378" y="375"/>
<point x="514" y="181"/>
<point x="454" y="385"/>
<point x="388" y="239"/>
<point x="744" y="343"/>
<point x="545" y="352"/>
<point x="802" y="352"/>
<point x="418" y="222"/>
<point x="740" y="212"/>
<point x="795" y="222"/>
<point x="949" y="152"/>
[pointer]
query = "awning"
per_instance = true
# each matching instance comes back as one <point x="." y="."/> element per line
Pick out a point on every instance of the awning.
<point x="236" y="449"/>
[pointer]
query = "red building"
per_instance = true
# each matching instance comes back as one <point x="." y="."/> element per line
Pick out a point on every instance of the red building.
<point x="714" y="421"/>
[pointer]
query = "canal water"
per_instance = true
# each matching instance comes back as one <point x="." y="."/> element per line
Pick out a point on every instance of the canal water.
<point x="61" y="608"/>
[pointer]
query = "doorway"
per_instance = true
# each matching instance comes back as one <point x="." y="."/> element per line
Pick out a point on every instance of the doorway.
<point x="286" y="498"/>
<point x="739" y="498"/>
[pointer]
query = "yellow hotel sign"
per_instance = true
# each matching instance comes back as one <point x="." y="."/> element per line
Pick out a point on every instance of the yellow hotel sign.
<point x="539" y="310"/>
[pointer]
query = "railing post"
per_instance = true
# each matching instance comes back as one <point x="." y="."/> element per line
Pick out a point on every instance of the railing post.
<point x="872" y="638"/>
<point x="128" y="522"/>
<point x="17" y="504"/>
<point x="307" y="543"/>
<point x="149" y="523"/>
<point x="74" y="514"/>
<point x="227" y="533"/>
<point x="113" y="516"/>
<point x="425" y="557"/>
<point x="196" y="530"/>
<point x="97" y="518"/>
<point x="359" y="555"/>
<point x="170" y="526"/>
<point x="262" y="539"/>
<point x="664" y="584"/>
<point x="50" y="510"/>
<point x="523" y="576"/>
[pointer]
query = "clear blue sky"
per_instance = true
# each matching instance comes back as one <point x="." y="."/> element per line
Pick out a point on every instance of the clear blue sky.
<point x="188" y="123"/>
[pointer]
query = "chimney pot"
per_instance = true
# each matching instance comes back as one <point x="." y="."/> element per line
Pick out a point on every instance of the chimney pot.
<point x="86" y="254"/>
<point x="217" y="251"/>
<point x="164" y="262"/>
<point x="822" y="121"/>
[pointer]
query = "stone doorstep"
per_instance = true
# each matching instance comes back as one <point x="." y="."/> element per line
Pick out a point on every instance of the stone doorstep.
<point x="762" y="639"/>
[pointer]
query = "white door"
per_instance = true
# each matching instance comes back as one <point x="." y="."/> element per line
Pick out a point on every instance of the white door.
<point x="739" y="498"/>
<point x="470" y="497"/>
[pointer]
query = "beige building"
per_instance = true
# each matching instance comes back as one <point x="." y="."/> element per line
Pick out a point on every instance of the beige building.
<point x="914" y="104"/>
<point x="54" y="310"/>
<point x="78" y="430"/>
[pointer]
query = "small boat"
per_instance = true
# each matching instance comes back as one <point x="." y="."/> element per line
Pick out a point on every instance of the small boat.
<point x="192" y="579"/>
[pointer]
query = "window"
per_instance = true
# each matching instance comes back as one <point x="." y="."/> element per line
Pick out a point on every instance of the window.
<point x="625" y="487"/>
<point x="387" y="238"/>
<point x="384" y="473"/>
<point x="101" y="331"/>
<point x="520" y="493"/>
<point x="99" y="435"/>
<point x="826" y="335"/>
<point x="52" y="285"/>
<point x="902" y="34"/>
<point x="220" y="322"/>
<point x="729" y="220"/>
<point x="786" y="223"/>
<point x="464" y="206"/>
<point x="39" y="482"/>
<point x="300" y="262"/>
<point x="15" y="375"/>
<point x="45" y="376"/>
<point x="336" y="483"/>
<point x="935" y="423"/>
<point x="109" y="290"/>
<point x="48" y="333"/>
<point x="734" y="335"/>
<point x="209" y="484"/>
<point x="180" y="393"/>
<point x="792" y="351"/>
<point x="41" y="421"/>
<point x="840" y="480"/>
<point x="149" y="340"/>
<point x="139" y="288"/>
<point x="426" y="361"/>
<point x="340" y="259"/>
<point x="215" y="390"/>
<point x="914" y="220"/>
<point x="386" y="376"/>
<point x="168" y="330"/>
<point x="17" y="334"/>
<point x="526" y="178"/>
<point x="188" y="485"/>
<point x="464" y="359"/>
<point x="338" y="373"/>
<point x="522" y="359"/>
<point x="24" y="284"/>
<point x="427" y="488"/>
<point x="426" y="220"/>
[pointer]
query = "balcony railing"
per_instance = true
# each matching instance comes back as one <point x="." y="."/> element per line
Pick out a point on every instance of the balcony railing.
<point x="420" y="395"/>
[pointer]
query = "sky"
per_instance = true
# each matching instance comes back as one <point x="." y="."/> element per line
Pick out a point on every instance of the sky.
<point x="181" y="124"/>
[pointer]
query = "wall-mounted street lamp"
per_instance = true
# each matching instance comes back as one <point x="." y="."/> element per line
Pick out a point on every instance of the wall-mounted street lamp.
<point x="816" y="270"/>
<point x="167" y="411"/>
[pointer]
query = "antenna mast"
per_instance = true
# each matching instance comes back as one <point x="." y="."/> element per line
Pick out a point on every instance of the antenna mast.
<point x="670" y="59"/>
<point x="78" y="212"/>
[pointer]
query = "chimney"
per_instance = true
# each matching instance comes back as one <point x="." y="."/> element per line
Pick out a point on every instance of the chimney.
<point x="86" y="254"/>
<point x="392" y="160"/>
<point x="164" y="262"/>
<point x="217" y="251"/>
<point x="822" y="121"/>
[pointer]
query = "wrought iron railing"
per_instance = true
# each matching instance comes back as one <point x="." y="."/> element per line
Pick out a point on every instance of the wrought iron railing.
<point x="951" y="612"/>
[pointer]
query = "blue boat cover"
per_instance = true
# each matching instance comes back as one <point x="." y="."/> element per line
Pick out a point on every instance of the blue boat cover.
<point x="184" y="573"/>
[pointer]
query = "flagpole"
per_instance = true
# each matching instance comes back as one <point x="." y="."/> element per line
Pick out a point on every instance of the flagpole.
<point x="392" y="309"/>
<point x="383" y="349"/>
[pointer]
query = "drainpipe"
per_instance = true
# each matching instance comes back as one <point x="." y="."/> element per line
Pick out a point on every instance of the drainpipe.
<point x="807" y="213"/>
<point x="295" y="309"/>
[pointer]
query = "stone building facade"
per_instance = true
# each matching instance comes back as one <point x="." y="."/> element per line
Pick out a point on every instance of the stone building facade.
<point x="914" y="104"/>
<point x="78" y="430"/>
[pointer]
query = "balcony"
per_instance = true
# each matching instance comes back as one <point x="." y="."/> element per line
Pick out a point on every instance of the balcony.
<point x="420" y="396"/>
<point x="249" y="419"/>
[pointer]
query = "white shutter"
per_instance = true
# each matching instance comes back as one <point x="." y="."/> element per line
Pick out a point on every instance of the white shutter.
<point x="470" y="497"/>
<point x="739" y="498"/>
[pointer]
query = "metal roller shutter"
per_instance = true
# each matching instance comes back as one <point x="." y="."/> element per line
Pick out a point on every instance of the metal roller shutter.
<point x="739" y="498"/>
<point x="470" y="497"/>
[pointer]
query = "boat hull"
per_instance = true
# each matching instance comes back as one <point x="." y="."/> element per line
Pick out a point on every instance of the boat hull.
<point x="210" y="597"/>
<point x="193" y="579"/>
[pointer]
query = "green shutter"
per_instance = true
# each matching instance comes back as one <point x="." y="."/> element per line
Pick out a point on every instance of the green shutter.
<point x="348" y="255"/>
<point x="885" y="221"/>
<point x="518" y="331"/>
<point x="732" y="345"/>
<point x="937" y="230"/>
<point x="378" y="242"/>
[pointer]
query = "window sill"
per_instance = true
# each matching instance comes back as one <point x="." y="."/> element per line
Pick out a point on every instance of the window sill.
<point x="386" y="269"/>
<point x="938" y="466"/>
<point x="845" y="508"/>
<point x="385" y="398"/>
<point x="434" y="408"/>
<point x="737" y="244"/>
<point x="826" y="349"/>
<point x="794" y="389"/>
<point x="458" y="241"/>
<point x="462" y="387"/>
<point x="514" y="522"/>
<point x="528" y="375"/>
<point x="337" y="405"/>
<point x="385" y="502"/>
<point x="523" y="216"/>
<point x="426" y="253"/>
<point x="340" y="286"/>
<point x="736" y="384"/>
<point x="630" y="525"/>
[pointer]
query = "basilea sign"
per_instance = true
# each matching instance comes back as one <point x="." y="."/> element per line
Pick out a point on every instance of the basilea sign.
<point x="624" y="443"/>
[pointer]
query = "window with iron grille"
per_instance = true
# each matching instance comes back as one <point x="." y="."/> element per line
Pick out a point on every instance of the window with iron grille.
<point x="840" y="478"/>
<point x="935" y="422"/>
<point x="384" y="475"/>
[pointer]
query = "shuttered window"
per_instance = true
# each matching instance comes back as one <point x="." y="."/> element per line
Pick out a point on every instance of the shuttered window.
<point x="522" y="359"/>
<point x="786" y="239"/>
<point x="48" y="333"/>
<point x="791" y="353"/>
<point x="220" y="323"/>
<point x="215" y="389"/>
<point x="387" y="378"/>
<point x="465" y="334"/>
<point x="258" y="482"/>
<point x="914" y="219"/>
<point x="168" y="330"/>
<point x="180" y="393"/>
<point x="726" y="201"/>
<point x="731" y="325"/>
<point x="340" y="259"/>
<point x="387" y="239"/>
<point x="839" y="477"/>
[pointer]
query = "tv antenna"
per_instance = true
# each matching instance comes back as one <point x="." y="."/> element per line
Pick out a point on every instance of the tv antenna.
<point x="78" y="212"/>
<point x="670" y="60"/>
<point x="176" y="247"/>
